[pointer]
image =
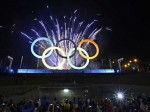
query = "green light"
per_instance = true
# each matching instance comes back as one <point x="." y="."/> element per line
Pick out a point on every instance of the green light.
<point x="73" y="66"/>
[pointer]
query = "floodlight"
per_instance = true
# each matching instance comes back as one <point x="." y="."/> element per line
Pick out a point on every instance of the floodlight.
<point x="120" y="95"/>
<point x="66" y="90"/>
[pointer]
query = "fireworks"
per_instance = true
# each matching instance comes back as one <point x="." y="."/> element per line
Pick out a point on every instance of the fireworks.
<point x="72" y="30"/>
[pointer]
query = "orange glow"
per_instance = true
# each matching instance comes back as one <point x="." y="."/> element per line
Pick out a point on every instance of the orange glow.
<point x="96" y="46"/>
<point x="135" y="60"/>
<point x="125" y="66"/>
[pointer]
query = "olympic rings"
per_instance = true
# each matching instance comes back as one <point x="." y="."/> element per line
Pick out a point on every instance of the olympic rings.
<point x="70" y="41"/>
<point x="75" y="67"/>
<point x="96" y="46"/>
<point x="49" y="51"/>
<point x="44" y="62"/>
<point x="38" y="39"/>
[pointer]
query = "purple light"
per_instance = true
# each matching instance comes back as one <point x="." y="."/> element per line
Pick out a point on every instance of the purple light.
<point x="69" y="29"/>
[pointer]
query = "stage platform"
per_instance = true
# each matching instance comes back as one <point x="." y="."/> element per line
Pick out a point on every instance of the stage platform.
<point x="65" y="71"/>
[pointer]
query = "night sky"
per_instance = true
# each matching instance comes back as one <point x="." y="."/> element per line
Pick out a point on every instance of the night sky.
<point x="128" y="20"/>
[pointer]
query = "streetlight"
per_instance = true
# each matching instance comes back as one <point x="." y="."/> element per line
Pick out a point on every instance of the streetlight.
<point x="21" y="61"/>
<point x="102" y="61"/>
<point x="130" y="61"/>
<point x="119" y="63"/>
<point x="110" y="64"/>
<point x="10" y="61"/>
<point x="125" y="65"/>
<point x="135" y="60"/>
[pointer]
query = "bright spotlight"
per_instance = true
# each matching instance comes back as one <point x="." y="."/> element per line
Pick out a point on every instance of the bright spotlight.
<point x="66" y="90"/>
<point x="120" y="96"/>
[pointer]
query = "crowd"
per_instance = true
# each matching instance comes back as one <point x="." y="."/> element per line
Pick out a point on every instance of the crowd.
<point x="44" y="104"/>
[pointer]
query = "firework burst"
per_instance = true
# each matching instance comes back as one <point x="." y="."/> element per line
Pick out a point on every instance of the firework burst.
<point x="72" y="30"/>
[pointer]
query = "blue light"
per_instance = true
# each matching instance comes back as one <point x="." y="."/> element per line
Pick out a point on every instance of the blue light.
<point x="65" y="71"/>
<point x="39" y="39"/>
<point x="133" y="68"/>
<point x="118" y="71"/>
<point x="120" y="96"/>
<point x="10" y="71"/>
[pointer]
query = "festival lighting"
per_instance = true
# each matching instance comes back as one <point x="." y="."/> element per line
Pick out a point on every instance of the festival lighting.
<point x="60" y="64"/>
<point x="70" y="63"/>
<point x="96" y="46"/>
<point x="70" y="36"/>
<point x="65" y="36"/>
<point x="40" y="39"/>
<point x="46" y="53"/>
<point x="66" y="46"/>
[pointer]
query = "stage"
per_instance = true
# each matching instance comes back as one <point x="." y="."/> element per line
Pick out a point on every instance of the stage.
<point x="65" y="71"/>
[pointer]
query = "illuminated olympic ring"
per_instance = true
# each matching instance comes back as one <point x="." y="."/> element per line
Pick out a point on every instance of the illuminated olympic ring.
<point x="73" y="66"/>
<point x="70" y="41"/>
<point x="52" y="48"/>
<point x="38" y="39"/>
<point x="96" y="46"/>
<point x="49" y="51"/>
